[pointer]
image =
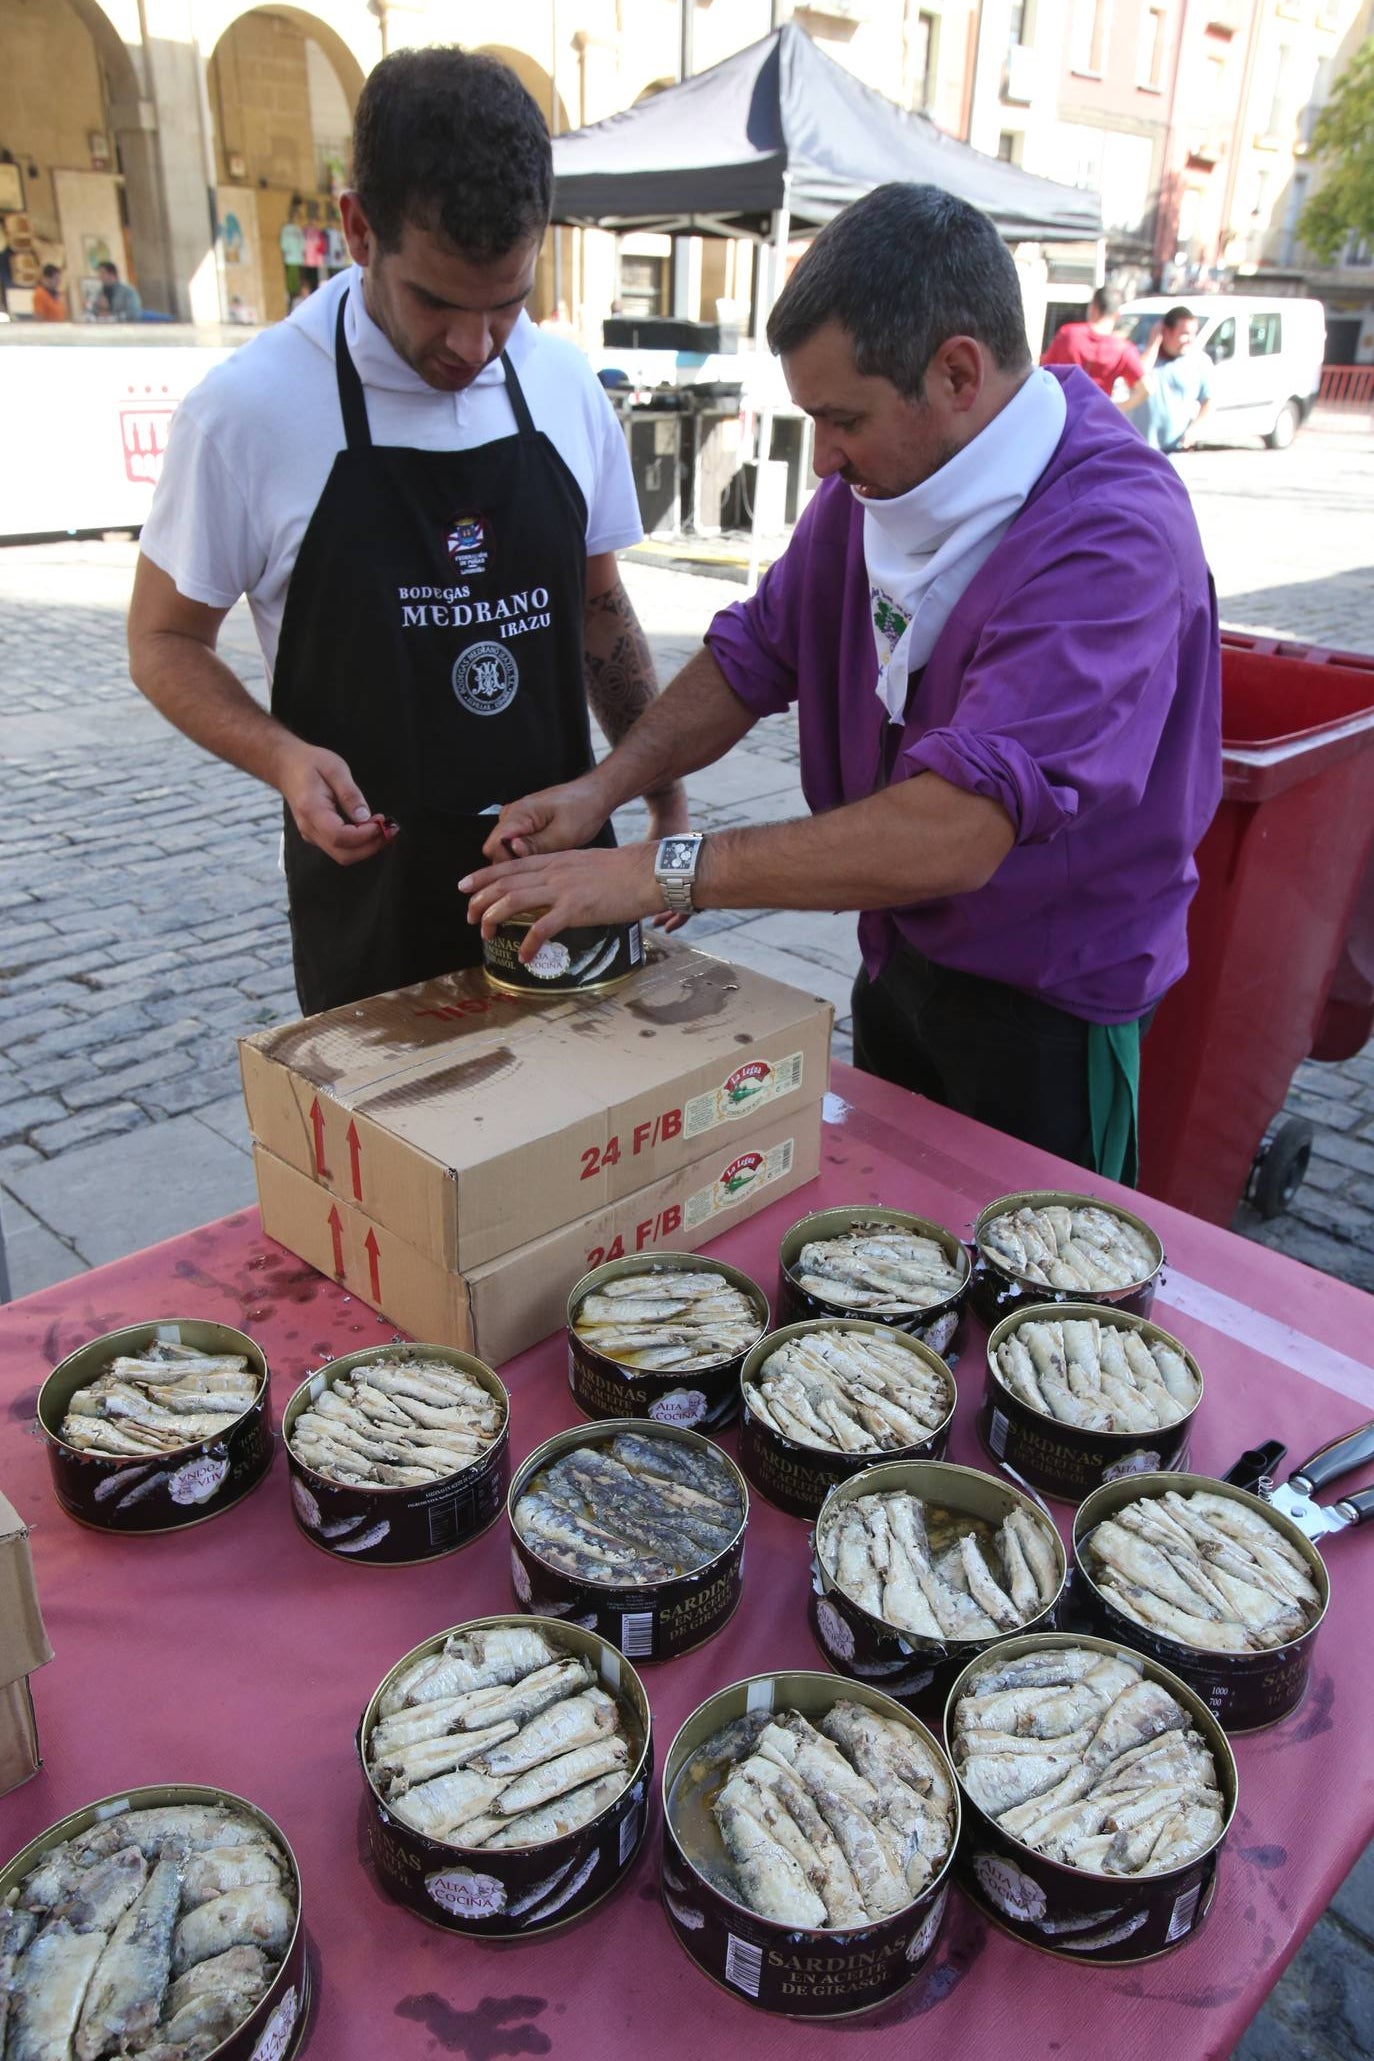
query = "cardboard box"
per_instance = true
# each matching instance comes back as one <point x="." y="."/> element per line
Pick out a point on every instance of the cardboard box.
<point x="468" y="1122"/>
<point x="23" y="1648"/>
<point x="507" y="1303"/>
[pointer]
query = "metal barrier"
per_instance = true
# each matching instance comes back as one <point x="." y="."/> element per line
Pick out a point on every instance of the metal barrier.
<point x="1346" y="386"/>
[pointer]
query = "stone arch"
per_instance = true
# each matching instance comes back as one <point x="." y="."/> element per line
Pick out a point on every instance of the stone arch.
<point x="71" y="68"/>
<point x="536" y="81"/>
<point x="282" y="86"/>
<point x="117" y="36"/>
<point x="554" y="277"/>
<point x="352" y="42"/>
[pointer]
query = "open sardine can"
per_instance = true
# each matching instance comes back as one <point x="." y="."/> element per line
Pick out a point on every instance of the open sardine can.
<point x="830" y="1972"/>
<point x="275" y="2028"/>
<point x="516" y="1892"/>
<point x="1066" y="1461"/>
<point x="576" y="962"/>
<point x="1091" y="1917"/>
<point x="388" y="1526"/>
<point x="701" y="1397"/>
<point x="163" y="1491"/>
<point x="1244" y="1691"/>
<point x="798" y="1477"/>
<point x="939" y="1325"/>
<point x="997" y="1289"/>
<point x="652" y="1620"/>
<point x="915" y="1671"/>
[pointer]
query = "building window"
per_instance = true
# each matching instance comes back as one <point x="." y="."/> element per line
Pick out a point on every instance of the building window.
<point x="643" y="285"/>
<point x="1297" y="201"/>
<point x="1279" y="99"/>
<point x="1214" y="76"/>
<point x="923" y="61"/>
<point x="1266" y="335"/>
<point x="1090" y="27"/>
<point x="1007" y="147"/>
<point x="1154" y="39"/>
<point x="1221" y="344"/>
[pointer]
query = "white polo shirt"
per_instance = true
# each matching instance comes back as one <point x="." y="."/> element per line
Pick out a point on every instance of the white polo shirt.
<point x="252" y="445"/>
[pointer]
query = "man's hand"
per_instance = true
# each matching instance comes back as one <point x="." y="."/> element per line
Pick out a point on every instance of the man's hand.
<point x="569" y="888"/>
<point x="557" y="819"/>
<point x="173" y="661"/>
<point x="328" y="809"/>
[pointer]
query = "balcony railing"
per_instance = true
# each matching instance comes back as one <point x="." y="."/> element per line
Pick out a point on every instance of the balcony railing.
<point x="1346" y="386"/>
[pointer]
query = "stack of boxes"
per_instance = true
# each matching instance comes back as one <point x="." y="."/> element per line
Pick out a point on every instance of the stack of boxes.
<point x="459" y="1157"/>
<point x="24" y="1649"/>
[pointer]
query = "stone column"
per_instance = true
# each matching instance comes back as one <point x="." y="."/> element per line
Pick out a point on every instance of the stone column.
<point x="174" y="72"/>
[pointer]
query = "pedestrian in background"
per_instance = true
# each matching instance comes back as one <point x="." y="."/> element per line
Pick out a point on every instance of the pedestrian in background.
<point x="117" y="301"/>
<point x="1180" y="396"/>
<point x="49" y="301"/>
<point x="1100" y="352"/>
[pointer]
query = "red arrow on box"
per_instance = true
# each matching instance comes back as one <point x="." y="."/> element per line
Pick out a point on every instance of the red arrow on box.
<point x="317" y="1126"/>
<point x="370" y="1248"/>
<point x="336" y="1230"/>
<point x="355" y="1156"/>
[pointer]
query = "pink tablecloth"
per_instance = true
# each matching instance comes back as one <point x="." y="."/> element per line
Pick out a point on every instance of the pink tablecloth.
<point x="237" y="1654"/>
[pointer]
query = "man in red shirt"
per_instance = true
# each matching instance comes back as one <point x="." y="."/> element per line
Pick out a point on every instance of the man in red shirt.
<point x="1103" y="355"/>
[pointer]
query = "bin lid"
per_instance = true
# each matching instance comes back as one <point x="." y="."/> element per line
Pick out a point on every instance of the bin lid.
<point x="1284" y="720"/>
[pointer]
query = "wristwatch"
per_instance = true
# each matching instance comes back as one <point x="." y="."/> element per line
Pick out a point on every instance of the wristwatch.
<point x="675" y="869"/>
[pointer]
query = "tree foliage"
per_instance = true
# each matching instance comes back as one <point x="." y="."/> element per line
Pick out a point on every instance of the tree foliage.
<point x="1343" y="139"/>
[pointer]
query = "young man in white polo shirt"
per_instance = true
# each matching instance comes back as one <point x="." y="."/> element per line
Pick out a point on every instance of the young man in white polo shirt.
<point x="422" y="495"/>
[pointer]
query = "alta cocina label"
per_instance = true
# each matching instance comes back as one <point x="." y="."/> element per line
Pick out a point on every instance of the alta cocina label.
<point x="727" y="1188"/>
<point x="742" y="1093"/>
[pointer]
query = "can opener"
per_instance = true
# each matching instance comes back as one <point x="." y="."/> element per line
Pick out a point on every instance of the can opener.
<point x="1296" y="1496"/>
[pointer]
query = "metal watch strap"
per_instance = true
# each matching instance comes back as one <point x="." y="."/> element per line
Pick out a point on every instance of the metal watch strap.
<point x="675" y="865"/>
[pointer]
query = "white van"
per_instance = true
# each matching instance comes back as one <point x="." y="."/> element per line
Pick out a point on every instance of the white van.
<point x="1267" y="354"/>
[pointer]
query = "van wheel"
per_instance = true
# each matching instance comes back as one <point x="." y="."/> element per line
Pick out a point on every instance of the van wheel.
<point x="1286" y="425"/>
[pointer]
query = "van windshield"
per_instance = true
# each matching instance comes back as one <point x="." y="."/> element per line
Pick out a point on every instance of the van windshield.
<point x="1137" y="329"/>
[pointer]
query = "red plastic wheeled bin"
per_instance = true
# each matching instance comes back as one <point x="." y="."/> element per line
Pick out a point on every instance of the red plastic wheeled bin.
<point x="1279" y="932"/>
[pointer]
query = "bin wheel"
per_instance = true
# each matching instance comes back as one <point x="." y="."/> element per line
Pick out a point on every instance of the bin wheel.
<point x="1280" y="1165"/>
<point x="1286" y="425"/>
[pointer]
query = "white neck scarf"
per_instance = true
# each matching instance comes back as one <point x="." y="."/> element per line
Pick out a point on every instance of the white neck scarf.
<point x="922" y="549"/>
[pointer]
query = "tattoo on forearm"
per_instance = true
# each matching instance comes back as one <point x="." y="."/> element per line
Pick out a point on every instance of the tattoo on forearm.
<point x="620" y="666"/>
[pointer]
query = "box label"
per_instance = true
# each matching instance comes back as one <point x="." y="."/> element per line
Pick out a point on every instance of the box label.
<point x="748" y="1170"/>
<point x="745" y="1090"/>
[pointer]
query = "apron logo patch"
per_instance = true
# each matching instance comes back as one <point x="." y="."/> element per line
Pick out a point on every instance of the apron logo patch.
<point x="485" y="678"/>
<point x="466" y="543"/>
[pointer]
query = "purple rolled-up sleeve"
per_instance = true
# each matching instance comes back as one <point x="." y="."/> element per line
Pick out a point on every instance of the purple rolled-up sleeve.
<point x="1062" y="706"/>
<point x="1001" y="768"/>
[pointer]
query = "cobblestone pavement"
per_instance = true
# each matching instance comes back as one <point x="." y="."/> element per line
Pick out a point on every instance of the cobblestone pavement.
<point x="142" y="929"/>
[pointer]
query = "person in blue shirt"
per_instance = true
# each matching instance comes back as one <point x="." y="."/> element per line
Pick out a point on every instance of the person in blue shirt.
<point x="1180" y="376"/>
<point x="117" y="301"/>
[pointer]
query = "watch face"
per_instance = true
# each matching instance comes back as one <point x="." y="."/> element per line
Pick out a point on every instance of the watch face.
<point x="677" y="853"/>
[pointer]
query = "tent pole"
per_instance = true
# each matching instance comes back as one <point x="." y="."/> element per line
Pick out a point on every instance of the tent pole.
<point x="782" y="231"/>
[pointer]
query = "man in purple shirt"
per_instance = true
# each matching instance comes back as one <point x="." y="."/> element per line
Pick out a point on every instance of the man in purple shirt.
<point x="999" y="629"/>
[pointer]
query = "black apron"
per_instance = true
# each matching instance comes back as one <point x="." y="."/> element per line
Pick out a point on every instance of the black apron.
<point x="433" y="637"/>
